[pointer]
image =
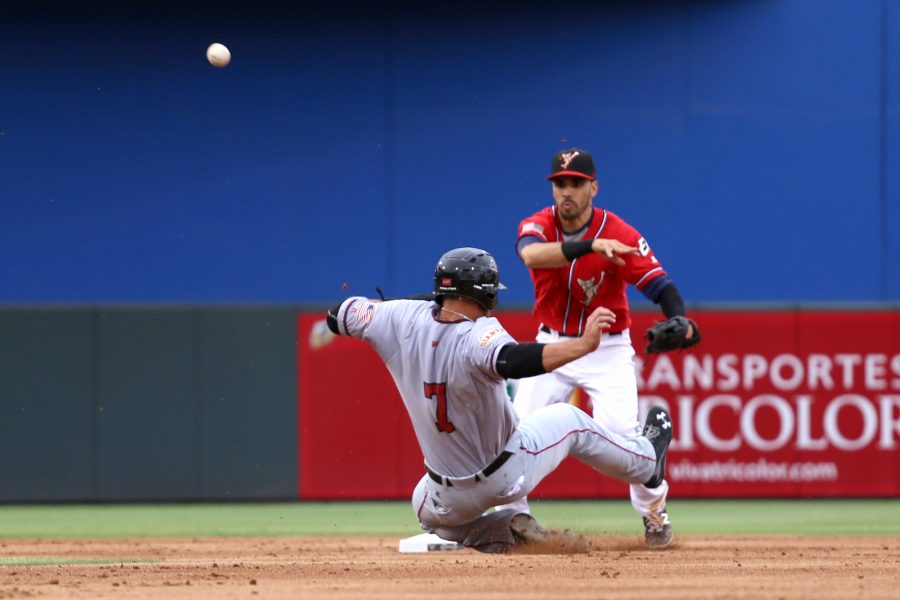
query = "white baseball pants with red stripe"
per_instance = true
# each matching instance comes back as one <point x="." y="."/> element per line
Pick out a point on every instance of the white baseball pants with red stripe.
<point x="542" y="440"/>
<point x="607" y="375"/>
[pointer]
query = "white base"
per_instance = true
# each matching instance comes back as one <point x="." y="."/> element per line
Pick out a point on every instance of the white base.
<point x="427" y="542"/>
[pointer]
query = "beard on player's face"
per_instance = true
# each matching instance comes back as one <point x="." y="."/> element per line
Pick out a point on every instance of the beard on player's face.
<point x="572" y="196"/>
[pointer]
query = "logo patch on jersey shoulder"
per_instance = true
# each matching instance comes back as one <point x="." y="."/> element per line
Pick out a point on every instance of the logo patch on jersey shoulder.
<point x="532" y="227"/>
<point x="489" y="335"/>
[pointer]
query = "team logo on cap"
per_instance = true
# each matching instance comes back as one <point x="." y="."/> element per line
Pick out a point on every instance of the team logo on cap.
<point x="566" y="158"/>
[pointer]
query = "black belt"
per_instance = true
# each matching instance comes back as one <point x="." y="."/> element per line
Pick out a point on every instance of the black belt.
<point x="485" y="472"/>
<point x="546" y="329"/>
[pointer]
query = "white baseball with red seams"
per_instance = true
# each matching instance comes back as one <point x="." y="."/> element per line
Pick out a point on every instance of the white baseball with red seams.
<point x="218" y="55"/>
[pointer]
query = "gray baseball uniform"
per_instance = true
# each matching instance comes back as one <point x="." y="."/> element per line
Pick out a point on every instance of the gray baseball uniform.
<point x="477" y="453"/>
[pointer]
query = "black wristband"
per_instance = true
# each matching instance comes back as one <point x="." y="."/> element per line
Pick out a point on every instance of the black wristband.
<point x="572" y="250"/>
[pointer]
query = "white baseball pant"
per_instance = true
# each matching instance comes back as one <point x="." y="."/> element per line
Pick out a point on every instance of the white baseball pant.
<point x="543" y="439"/>
<point x="607" y="375"/>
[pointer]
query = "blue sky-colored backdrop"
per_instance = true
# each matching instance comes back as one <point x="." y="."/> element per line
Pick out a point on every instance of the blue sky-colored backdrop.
<point x="756" y="144"/>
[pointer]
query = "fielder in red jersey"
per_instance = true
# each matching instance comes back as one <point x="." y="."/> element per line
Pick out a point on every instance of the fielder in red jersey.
<point x="581" y="257"/>
<point x="566" y="294"/>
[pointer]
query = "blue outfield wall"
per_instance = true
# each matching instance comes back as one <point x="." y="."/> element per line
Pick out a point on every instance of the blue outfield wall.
<point x="755" y="144"/>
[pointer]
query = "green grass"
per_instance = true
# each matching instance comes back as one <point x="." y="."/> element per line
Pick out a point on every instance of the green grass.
<point x="747" y="517"/>
<point x="188" y="520"/>
<point x="796" y="517"/>
<point x="40" y="561"/>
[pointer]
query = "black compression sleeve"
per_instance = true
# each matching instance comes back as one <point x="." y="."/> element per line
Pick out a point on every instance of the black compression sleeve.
<point x="572" y="250"/>
<point x="670" y="301"/>
<point x="520" y="360"/>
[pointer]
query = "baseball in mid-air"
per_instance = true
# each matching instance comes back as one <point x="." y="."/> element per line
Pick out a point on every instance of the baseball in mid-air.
<point x="218" y="55"/>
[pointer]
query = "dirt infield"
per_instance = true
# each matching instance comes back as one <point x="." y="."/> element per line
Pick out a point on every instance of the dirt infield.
<point x="616" y="567"/>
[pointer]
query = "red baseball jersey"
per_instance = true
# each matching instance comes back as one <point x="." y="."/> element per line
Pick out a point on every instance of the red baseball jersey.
<point x="565" y="296"/>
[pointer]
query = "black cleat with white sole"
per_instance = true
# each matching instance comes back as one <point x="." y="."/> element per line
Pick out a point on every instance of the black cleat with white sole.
<point x="658" y="429"/>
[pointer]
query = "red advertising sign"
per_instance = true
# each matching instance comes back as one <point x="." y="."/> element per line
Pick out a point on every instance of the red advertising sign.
<point x="770" y="404"/>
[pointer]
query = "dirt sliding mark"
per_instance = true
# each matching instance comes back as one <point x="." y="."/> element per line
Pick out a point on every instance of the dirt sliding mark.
<point x="616" y="567"/>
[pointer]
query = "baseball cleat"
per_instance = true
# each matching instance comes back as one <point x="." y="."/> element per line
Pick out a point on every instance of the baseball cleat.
<point x="658" y="429"/>
<point x="531" y="538"/>
<point x="527" y="530"/>
<point x="658" y="529"/>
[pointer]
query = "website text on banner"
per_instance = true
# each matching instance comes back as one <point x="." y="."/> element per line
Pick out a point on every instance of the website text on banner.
<point x="770" y="404"/>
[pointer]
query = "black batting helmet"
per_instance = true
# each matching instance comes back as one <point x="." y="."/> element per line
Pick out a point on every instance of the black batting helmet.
<point x="469" y="273"/>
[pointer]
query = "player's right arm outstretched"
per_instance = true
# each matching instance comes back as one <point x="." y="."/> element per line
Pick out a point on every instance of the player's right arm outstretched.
<point x="516" y="361"/>
<point x="537" y="254"/>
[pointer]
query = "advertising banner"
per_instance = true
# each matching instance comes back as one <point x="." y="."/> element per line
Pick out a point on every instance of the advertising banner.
<point x="793" y="403"/>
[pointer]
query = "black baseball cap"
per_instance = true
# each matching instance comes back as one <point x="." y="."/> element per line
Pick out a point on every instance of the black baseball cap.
<point x="573" y="163"/>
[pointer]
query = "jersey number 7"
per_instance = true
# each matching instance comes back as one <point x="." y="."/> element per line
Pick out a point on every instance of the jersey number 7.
<point x="438" y="391"/>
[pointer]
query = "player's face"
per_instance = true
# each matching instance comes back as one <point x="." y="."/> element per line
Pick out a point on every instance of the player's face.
<point x="573" y="197"/>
